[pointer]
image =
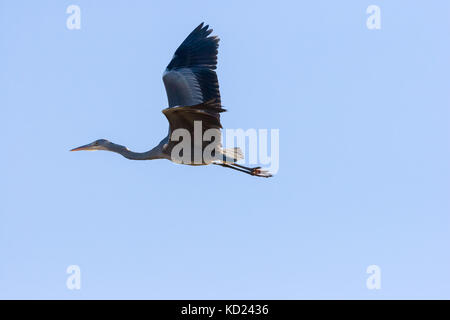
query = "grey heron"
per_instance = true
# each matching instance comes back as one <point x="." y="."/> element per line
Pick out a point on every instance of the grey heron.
<point x="193" y="95"/>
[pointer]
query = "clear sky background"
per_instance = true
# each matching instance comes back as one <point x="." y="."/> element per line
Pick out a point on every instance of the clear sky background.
<point x="364" y="172"/>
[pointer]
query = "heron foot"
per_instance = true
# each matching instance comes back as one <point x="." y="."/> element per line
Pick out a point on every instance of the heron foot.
<point x="257" y="171"/>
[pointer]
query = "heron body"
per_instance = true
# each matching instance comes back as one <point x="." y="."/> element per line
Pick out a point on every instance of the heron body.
<point x="193" y="96"/>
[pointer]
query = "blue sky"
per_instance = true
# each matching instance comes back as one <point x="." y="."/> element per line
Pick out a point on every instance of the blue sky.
<point x="364" y="172"/>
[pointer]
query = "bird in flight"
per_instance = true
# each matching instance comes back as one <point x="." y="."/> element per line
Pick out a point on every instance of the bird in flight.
<point x="194" y="110"/>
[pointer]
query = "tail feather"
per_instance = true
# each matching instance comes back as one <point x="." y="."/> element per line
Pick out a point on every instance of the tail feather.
<point x="232" y="154"/>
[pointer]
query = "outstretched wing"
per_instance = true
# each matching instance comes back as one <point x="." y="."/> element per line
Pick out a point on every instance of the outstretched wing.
<point x="190" y="78"/>
<point x="183" y="117"/>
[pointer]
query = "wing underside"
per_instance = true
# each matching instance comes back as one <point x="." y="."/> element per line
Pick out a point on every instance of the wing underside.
<point x="190" y="78"/>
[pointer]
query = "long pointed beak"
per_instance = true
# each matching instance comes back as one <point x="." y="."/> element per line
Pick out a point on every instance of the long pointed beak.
<point x="86" y="147"/>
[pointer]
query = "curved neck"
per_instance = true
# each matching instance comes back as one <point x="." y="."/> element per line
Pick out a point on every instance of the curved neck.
<point x="155" y="153"/>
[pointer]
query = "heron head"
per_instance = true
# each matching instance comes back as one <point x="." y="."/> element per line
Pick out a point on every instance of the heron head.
<point x="100" y="144"/>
